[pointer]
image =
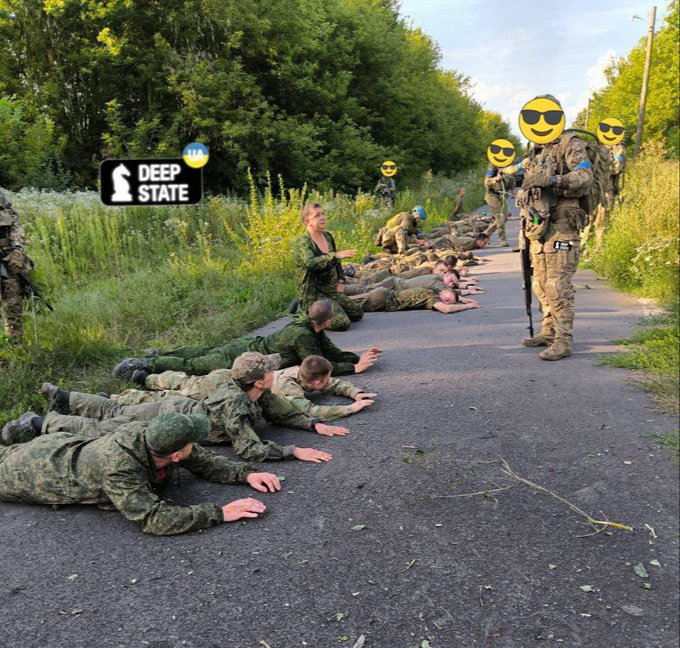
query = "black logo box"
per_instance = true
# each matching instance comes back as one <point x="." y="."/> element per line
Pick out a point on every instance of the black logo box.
<point x="183" y="184"/>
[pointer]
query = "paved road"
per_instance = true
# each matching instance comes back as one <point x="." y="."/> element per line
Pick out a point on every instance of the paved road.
<point x="506" y="570"/>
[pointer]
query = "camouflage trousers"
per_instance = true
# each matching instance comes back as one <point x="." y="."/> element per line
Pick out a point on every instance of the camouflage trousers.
<point x="95" y="416"/>
<point x="552" y="284"/>
<point x="373" y="301"/>
<point x="11" y="303"/>
<point x="201" y="360"/>
<point x="173" y="383"/>
<point x="500" y="215"/>
<point x="344" y="311"/>
<point x="597" y="221"/>
<point x="394" y="239"/>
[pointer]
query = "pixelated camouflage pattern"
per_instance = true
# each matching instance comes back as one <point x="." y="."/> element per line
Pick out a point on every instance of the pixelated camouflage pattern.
<point x="115" y="470"/>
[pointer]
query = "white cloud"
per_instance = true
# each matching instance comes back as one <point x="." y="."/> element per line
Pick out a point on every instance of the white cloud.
<point x="596" y="79"/>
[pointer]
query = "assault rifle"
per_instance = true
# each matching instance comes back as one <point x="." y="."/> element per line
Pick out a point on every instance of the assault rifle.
<point x="29" y="289"/>
<point x="527" y="273"/>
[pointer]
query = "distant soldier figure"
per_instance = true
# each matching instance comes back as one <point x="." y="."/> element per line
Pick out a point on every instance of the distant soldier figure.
<point x="458" y="205"/>
<point x="13" y="262"/>
<point x="495" y="186"/>
<point x="386" y="188"/>
<point x="400" y="230"/>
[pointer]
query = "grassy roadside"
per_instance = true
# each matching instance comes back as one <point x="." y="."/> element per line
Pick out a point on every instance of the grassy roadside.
<point x="640" y="255"/>
<point x="123" y="279"/>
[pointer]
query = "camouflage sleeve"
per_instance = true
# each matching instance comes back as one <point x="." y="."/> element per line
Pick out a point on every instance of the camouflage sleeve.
<point x="580" y="174"/>
<point x="216" y="468"/>
<point x="293" y="393"/>
<point x="245" y="441"/>
<point x="304" y="255"/>
<point x="16" y="231"/>
<point x="339" y="387"/>
<point x="130" y="492"/>
<point x="619" y="159"/>
<point x="343" y="361"/>
<point x="278" y="410"/>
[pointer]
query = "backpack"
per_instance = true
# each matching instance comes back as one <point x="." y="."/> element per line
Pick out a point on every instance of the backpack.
<point x="600" y="162"/>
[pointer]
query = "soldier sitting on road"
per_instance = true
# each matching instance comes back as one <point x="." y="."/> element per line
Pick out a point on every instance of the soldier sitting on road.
<point x="384" y="299"/>
<point x="304" y="336"/>
<point x="233" y="411"/>
<point x="126" y="470"/>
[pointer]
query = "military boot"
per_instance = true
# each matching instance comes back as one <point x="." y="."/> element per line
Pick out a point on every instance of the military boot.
<point x="19" y="431"/>
<point x="125" y="368"/>
<point x="538" y="340"/>
<point x="558" y="349"/>
<point x="57" y="399"/>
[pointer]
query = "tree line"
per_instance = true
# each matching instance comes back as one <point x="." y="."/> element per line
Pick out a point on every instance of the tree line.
<point x="317" y="91"/>
<point x="621" y="96"/>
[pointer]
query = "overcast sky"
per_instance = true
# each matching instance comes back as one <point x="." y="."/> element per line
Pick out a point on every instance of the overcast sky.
<point x="513" y="51"/>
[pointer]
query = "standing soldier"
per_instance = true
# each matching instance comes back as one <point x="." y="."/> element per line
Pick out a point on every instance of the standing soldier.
<point x="495" y="185"/>
<point x="557" y="172"/>
<point x="12" y="262"/>
<point x="386" y="188"/>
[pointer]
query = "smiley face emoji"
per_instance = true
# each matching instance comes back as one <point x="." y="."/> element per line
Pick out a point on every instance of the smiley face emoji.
<point x="541" y="120"/>
<point x="610" y="131"/>
<point x="388" y="168"/>
<point x="500" y="153"/>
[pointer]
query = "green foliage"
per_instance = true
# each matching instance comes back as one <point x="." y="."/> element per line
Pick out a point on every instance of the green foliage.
<point x="653" y="350"/>
<point x="640" y="247"/>
<point x="620" y="98"/>
<point x="313" y="91"/>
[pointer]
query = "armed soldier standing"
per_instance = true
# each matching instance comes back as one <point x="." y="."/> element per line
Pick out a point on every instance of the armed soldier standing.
<point x="495" y="185"/>
<point x="557" y="172"/>
<point x="12" y="262"/>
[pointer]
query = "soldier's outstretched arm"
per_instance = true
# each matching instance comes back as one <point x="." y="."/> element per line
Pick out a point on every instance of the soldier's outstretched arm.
<point x="131" y="494"/>
<point x="279" y="411"/>
<point x="342" y="361"/>
<point x="216" y="468"/>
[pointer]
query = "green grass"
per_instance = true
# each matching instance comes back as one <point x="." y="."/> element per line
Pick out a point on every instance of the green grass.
<point x="669" y="440"/>
<point x="652" y="353"/>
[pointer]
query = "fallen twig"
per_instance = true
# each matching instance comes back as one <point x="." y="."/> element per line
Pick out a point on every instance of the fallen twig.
<point x="599" y="525"/>
<point x="484" y="492"/>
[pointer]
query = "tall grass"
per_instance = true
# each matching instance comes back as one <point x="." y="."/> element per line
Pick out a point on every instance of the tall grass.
<point x="640" y="247"/>
<point x="122" y="279"/>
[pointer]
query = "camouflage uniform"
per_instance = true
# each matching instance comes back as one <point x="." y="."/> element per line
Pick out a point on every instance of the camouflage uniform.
<point x="493" y="196"/>
<point x="399" y="230"/>
<point x="114" y="471"/>
<point x="317" y="276"/>
<point x="386" y="189"/>
<point x="11" y="292"/>
<point x="231" y="413"/>
<point x="397" y="283"/>
<point x="457" y="209"/>
<point x="384" y="299"/>
<point x="288" y="385"/>
<point x="553" y="232"/>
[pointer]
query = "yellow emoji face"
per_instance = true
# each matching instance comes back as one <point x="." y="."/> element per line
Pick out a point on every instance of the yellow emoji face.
<point x="541" y="120"/>
<point x="500" y="153"/>
<point x="388" y="168"/>
<point x="610" y="131"/>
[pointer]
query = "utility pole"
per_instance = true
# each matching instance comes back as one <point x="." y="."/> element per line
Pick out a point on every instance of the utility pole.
<point x="587" y="115"/>
<point x="645" y="79"/>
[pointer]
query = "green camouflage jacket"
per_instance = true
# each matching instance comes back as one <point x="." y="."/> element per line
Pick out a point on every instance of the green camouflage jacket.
<point x="317" y="274"/>
<point x="288" y="385"/>
<point x="295" y="341"/>
<point x="116" y="470"/>
<point x="233" y="417"/>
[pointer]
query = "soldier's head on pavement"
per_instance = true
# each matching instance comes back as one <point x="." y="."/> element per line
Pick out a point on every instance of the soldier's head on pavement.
<point x="450" y="279"/>
<point x="252" y="369"/>
<point x="312" y="217"/>
<point x="320" y="312"/>
<point x="170" y="436"/>
<point x="448" y="296"/>
<point x="315" y="372"/>
<point x="541" y="120"/>
<point x="481" y="240"/>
